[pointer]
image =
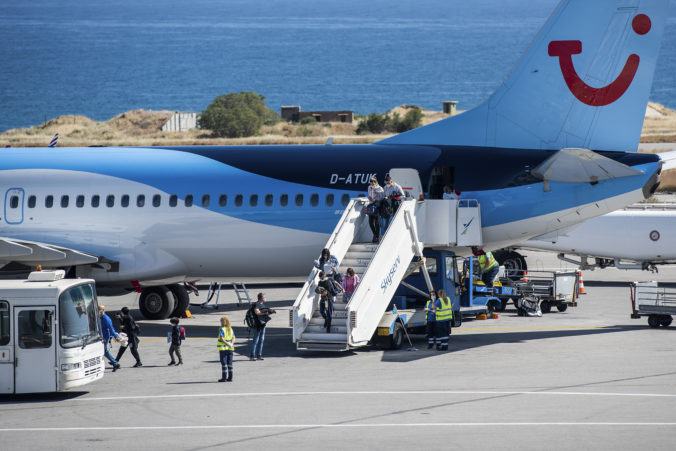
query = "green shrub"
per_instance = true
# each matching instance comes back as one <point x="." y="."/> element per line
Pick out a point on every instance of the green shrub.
<point x="379" y="123"/>
<point x="237" y="115"/>
<point x="307" y="120"/>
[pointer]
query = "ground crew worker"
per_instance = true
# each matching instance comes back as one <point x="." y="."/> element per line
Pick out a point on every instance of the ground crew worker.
<point x="431" y="320"/>
<point x="488" y="266"/>
<point x="444" y="313"/>
<point x="226" y="347"/>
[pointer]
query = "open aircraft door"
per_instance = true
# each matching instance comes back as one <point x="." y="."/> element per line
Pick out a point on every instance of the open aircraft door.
<point x="409" y="180"/>
<point x="14" y="206"/>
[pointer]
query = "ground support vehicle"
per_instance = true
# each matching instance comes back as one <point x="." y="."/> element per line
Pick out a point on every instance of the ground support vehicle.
<point x="49" y="334"/>
<point x="655" y="302"/>
<point x="552" y="288"/>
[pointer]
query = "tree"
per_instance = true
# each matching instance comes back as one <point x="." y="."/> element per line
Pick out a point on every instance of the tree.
<point x="237" y="115"/>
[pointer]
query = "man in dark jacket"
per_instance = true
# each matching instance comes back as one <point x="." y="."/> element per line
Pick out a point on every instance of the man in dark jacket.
<point x="132" y="329"/>
<point x="326" y="306"/>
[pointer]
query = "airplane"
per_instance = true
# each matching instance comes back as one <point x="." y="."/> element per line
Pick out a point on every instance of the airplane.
<point x="553" y="146"/>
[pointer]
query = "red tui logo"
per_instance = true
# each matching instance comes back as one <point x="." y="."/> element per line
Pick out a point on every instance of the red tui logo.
<point x="581" y="90"/>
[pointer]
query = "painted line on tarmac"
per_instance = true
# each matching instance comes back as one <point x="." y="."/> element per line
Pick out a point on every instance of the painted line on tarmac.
<point x="333" y="426"/>
<point x="456" y="331"/>
<point x="378" y="393"/>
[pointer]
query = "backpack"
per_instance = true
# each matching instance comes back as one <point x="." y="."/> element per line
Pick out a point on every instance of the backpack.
<point x="386" y="209"/>
<point x="250" y="319"/>
<point x="182" y="333"/>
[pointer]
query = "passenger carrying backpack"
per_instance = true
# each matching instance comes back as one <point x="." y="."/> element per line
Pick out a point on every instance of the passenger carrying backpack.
<point x="182" y="333"/>
<point x="250" y="319"/>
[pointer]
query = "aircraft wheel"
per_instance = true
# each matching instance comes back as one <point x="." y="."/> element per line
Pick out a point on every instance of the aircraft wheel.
<point x="513" y="262"/>
<point x="545" y="306"/>
<point x="665" y="321"/>
<point x="182" y="299"/>
<point x="156" y="302"/>
<point x="562" y="307"/>
<point x="654" y="321"/>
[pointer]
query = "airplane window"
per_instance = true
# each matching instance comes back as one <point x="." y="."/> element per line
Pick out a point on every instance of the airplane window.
<point x="173" y="200"/>
<point x="253" y="200"/>
<point x="188" y="200"/>
<point x="223" y="200"/>
<point x="140" y="200"/>
<point x="344" y="199"/>
<point x="49" y="201"/>
<point x="206" y="200"/>
<point x="329" y="200"/>
<point x="238" y="200"/>
<point x="64" y="201"/>
<point x="268" y="200"/>
<point x="110" y="201"/>
<point x="95" y="200"/>
<point x="31" y="202"/>
<point x="299" y="200"/>
<point x="124" y="200"/>
<point x="284" y="200"/>
<point x="157" y="200"/>
<point x="314" y="200"/>
<point x="14" y="202"/>
<point x="79" y="201"/>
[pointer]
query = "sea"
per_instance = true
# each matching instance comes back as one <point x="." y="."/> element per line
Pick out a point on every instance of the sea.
<point x="99" y="58"/>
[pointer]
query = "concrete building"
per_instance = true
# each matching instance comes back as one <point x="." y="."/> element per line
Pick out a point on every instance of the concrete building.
<point x="294" y="114"/>
<point x="180" y="122"/>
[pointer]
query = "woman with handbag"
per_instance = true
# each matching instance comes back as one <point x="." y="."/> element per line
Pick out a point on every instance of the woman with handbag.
<point x="376" y="195"/>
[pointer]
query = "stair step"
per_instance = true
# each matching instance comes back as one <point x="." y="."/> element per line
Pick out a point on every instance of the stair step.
<point x="354" y="255"/>
<point x="319" y="329"/>
<point x="315" y="346"/>
<point x="324" y="337"/>
<point x="363" y="247"/>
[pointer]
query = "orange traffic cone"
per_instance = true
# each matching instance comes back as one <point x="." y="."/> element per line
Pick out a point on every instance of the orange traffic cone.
<point x="581" y="287"/>
<point x="525" y="276"/>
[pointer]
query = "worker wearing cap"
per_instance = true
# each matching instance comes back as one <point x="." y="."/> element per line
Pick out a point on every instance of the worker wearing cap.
<point x="444" y="313"/>
<point x="431" y="320"/>
<point x="488" y="266"/>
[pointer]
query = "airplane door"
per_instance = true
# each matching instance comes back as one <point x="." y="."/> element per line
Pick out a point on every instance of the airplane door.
<point x="409" y="180"/>
<point x="34" y="350"/>
<point x="14" y="206"/>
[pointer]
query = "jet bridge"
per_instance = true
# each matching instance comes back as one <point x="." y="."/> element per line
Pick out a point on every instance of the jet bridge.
<point x="381" y="267"/>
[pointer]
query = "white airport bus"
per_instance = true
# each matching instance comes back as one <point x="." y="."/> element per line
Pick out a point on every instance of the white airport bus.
<point x="49" y="334"/>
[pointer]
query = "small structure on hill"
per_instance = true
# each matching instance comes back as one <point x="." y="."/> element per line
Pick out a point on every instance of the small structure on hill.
<point x="180" y="122"/>
<point x="294" y="114"/>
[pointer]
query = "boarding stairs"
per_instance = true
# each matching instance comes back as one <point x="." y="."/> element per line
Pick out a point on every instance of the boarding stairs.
<point x="380" y="266"/>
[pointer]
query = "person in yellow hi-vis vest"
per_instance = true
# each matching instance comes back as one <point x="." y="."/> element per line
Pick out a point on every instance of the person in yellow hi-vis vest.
<point x="444" y="310"/>
<point x="488" y="265"/>
<point x="226" y="348"/>
<point x="431" y="320"/>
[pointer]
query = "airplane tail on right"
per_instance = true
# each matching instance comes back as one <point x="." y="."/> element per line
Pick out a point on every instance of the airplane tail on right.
<point x="584" y="82"/>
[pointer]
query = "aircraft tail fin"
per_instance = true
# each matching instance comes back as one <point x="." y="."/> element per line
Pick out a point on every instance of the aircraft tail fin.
<point x="584" y="83"/>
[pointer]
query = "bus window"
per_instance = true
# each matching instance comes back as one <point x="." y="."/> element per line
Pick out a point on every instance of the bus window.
<point x="35" y="329"/>
<point x="4" y="323"/>
<point x="79" y="319"/>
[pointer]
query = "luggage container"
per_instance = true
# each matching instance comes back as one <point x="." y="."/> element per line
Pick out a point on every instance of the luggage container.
<point x="655" y="302"/>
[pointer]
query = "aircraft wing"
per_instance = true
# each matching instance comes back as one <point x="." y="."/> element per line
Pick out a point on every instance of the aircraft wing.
<point x="581" y="166"/>
<point x="35" y="253"/>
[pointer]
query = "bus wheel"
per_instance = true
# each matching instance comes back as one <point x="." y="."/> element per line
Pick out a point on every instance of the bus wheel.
<point x="156" y="302"/>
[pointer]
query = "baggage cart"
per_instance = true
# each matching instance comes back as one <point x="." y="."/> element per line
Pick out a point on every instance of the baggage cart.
<point x="655" y="302"/>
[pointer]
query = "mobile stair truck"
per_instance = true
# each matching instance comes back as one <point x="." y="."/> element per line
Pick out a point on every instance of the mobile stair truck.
<point x="434" y="224"/>
<point x="49" y="334"/>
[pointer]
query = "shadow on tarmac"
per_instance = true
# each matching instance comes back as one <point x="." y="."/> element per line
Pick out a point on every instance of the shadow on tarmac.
<point x="40" y="397"/>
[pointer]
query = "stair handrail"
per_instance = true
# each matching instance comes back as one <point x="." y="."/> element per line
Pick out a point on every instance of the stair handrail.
<point x="361" y="307"/>
<point x="338" y="244"/>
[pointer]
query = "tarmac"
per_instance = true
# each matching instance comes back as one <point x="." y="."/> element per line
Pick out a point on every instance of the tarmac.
<point x="588" y="378"/>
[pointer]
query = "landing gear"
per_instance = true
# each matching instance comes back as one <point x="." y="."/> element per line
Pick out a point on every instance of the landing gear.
<point x="182" y="299"/>
<point x="514" y="263"/>
<point x="156" y="302"/>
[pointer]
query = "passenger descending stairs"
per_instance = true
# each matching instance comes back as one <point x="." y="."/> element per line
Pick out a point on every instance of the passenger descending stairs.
<point x="380" y="268"/>
<point x="358" y="257"/>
